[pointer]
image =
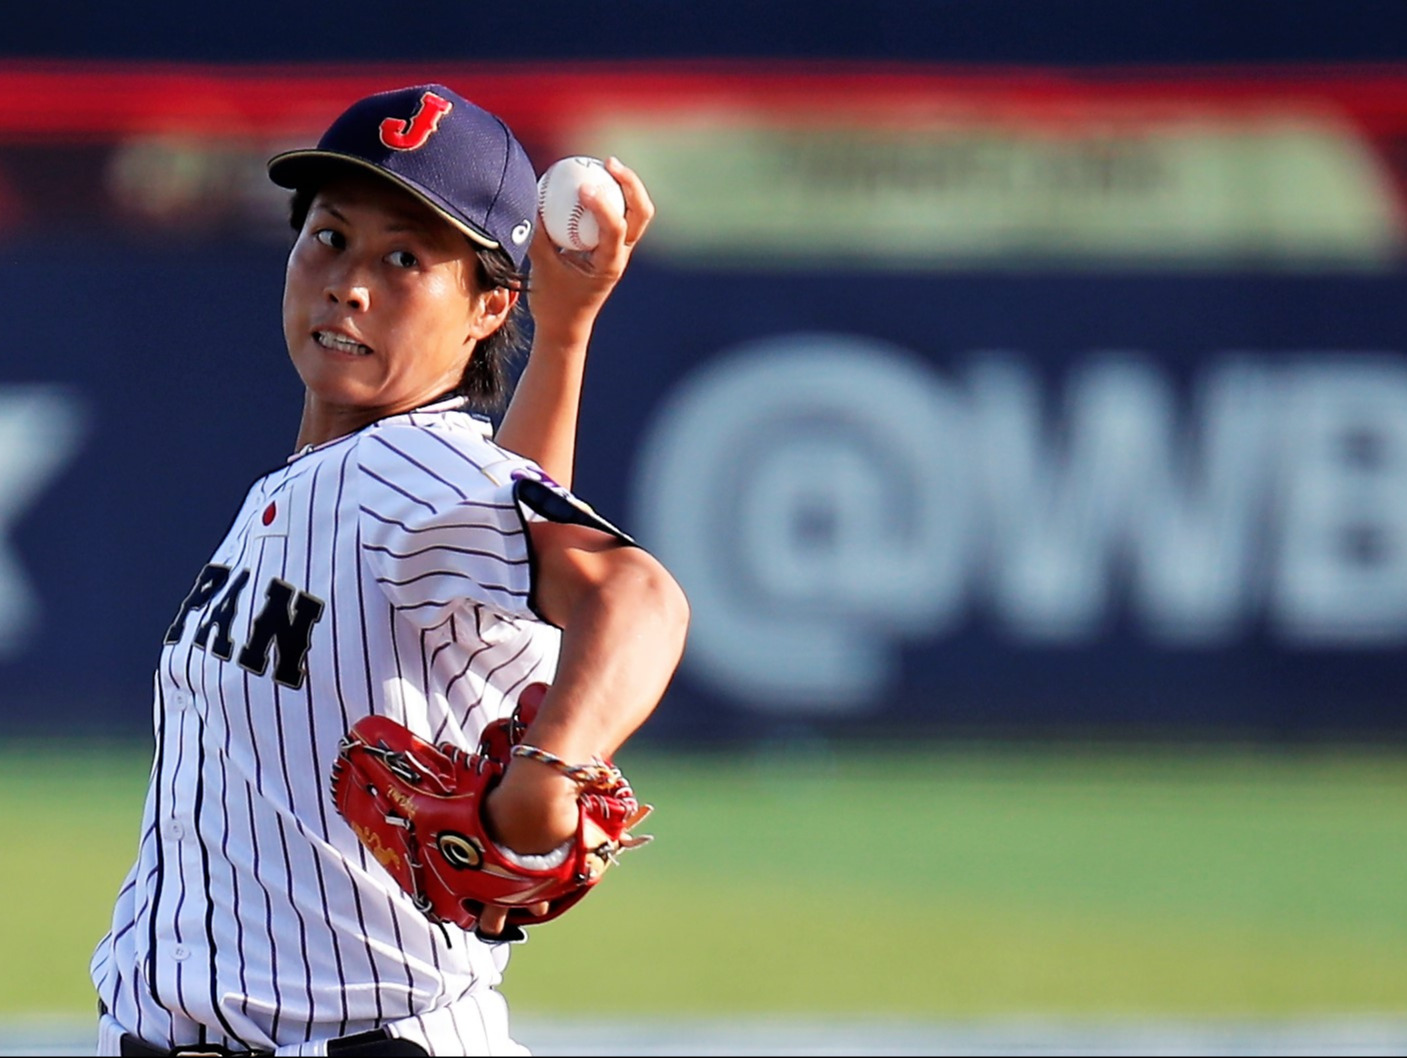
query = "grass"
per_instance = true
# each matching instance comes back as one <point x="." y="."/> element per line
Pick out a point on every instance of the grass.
<point x="942" y="882"/>
<point x="68" y="831"/>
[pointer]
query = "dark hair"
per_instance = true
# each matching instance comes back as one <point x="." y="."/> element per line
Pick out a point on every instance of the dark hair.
<point x="485" y="378"/>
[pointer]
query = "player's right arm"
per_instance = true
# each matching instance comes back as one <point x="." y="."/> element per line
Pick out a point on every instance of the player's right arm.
<point x="567" y="292"/>
<point x="623" y="619"/>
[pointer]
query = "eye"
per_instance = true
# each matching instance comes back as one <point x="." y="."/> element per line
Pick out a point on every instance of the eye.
<point x="402" y="259"/>
<point x="330" y="237"/>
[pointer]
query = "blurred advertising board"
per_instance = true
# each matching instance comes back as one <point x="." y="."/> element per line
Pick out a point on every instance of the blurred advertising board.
<point x="995" y="403"/>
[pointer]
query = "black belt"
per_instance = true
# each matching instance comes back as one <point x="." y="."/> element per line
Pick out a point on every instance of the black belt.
<point x="373" y="1044"/>
<point x="377" y="1042"/>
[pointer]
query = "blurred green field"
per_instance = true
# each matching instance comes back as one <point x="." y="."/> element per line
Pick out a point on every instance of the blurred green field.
<point x="937" y="882"/>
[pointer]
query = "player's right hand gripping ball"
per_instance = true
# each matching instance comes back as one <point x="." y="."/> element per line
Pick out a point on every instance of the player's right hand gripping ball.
<point x="418" y="810"/>
<point x="569" y="224"/>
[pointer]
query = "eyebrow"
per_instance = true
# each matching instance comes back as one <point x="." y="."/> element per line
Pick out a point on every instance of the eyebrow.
<point x="406" y="224"/>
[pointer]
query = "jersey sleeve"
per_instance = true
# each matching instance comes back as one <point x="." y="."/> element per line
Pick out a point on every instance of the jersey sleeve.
<point x="444" y="519"/>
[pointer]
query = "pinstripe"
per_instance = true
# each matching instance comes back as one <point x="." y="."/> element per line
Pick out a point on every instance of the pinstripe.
<point x="333" y="937"/>
<point x="447" y="525"/>
<point x="379" y="439"/>
<point x="252" y="802"/>
<point x="417" y="567"/>
<point x="468" y="665"/>
<point x="450" y="451"/>
<point x="430" y="663"/>
<point x="396" y="488"/>
<point x="189" y="736"/>
<point x="182" y="886"/>
<point x="434" y="548"/>
<point x="458" y="1027"/>
<point x="220" y="776"/>
<point x="226" y="794"/>
<point x="227" y="820"/>
<point x="489" y="676"/>
<point x="268" y="946"/>
<point x="158" y="873"/>
<point x="335" y="625"/>
<point x="281" y="747"/>
<point x="209" y="901"/>
<point x="371" y="697"/>
<point x="497" y="589"/>
<point x="403" y="582"/>
<point x="483" y="1023"/>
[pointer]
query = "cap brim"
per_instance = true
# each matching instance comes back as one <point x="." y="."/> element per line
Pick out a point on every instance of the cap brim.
<point x="296" y="169"/>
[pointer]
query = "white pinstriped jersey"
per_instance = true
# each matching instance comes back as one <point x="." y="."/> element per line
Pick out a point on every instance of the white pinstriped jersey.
<point x="388" y="571"/>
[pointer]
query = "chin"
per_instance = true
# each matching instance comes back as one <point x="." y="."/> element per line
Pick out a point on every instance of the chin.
<point x="339" y="383"/>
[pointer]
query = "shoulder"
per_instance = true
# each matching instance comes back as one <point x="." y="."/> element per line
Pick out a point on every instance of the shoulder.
<point x="441" y="450"/>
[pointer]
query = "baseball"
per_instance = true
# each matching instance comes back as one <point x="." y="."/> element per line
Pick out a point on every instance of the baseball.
<point x="569" y="224"/>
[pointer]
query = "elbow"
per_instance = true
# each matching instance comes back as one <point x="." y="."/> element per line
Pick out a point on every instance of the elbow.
<point x="664" y="600"/>
<point x="674" y="608"/>
<point x="651" y="592"/>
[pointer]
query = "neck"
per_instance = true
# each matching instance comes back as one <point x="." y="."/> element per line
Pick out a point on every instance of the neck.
<point x="322" y="422"/>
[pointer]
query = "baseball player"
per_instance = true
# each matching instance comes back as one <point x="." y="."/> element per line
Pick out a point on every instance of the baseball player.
<point x="402" y="563"/>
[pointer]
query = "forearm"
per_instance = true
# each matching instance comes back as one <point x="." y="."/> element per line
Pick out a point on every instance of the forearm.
<point x="619" y="652"/>
<point x="623" y="640"/>
<point x="541" y="420"/>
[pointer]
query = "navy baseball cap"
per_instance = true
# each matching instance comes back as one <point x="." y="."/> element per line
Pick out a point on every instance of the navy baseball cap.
<point x="454" y="156"/>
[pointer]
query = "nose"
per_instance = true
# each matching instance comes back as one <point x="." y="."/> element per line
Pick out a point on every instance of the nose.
<point x="350" y="289"/>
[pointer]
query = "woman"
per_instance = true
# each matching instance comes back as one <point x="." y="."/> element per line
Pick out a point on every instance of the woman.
<point x="401" y="563"/>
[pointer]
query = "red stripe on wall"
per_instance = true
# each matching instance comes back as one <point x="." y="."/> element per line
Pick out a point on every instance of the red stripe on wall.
<point x="48" y="100"/>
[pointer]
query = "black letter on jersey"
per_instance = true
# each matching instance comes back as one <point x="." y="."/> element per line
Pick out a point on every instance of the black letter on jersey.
<point x="220" y="617"/>
<point x="293" y="631"/>
<point x="212" y="578"/>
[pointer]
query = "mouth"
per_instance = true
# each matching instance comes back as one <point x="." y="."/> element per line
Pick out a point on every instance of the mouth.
<point x="340" y="343"/>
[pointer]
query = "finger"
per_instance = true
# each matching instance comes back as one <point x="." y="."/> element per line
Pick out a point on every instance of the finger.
<point x="611" y="225"/>
<point x="492" y="920"/>
<point x="545" y="254"/>
<point x="639" y="207"/>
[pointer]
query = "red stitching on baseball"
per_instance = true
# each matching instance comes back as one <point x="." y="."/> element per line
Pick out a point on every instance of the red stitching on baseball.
<point x="574" y="227"/>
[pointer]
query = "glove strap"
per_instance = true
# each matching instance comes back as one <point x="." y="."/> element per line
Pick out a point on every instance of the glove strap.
<point x="596" y="773"/>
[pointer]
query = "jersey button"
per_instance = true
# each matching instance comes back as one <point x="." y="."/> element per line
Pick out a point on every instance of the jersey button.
<point x="180" y="952"/>
<point x="174" y="831"/>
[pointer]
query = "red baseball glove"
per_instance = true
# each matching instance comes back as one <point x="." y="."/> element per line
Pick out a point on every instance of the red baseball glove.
<point x="418" y="810"/>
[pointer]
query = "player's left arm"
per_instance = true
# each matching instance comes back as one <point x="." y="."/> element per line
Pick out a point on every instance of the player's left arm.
<point x="566" y="292"/>
<point x="623" y="619"/>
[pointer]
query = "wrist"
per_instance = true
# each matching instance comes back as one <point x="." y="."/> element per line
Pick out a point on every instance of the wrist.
<point x="588" y="773"/>
<point x="562" y="337"/>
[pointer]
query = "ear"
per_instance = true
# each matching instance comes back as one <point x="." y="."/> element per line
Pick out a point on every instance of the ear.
<point x="489" y="310"/>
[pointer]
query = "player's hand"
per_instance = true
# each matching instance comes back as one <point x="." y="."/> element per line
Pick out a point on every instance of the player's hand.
<point x="533" y="810"/>
<point x="568" y="288"/>
<point x="494" y="918"/>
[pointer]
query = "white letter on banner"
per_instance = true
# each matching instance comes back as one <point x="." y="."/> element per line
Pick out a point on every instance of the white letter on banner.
<point x="1342" y="571"/>
<point x="40" y="431"/>
<point x="1199" y="519"/>
<point x="1059" y="504"/>
<point x="811" y="494"/>
<point x="1116" y="489"/>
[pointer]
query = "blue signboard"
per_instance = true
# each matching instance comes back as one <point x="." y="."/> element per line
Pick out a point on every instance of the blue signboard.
<point x="1025" y="503"/>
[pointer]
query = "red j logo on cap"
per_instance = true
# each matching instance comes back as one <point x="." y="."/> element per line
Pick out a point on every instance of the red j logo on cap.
<point x="411" y="135"/>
